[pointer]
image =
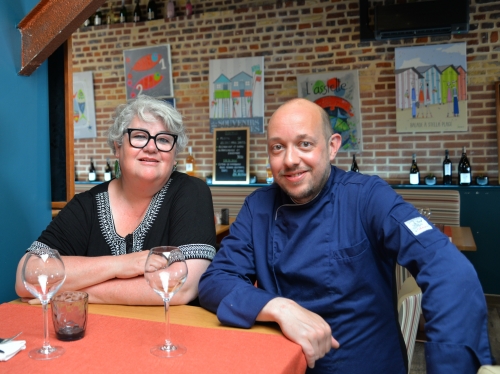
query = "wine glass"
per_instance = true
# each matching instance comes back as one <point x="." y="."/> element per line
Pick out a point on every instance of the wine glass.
<point x="166" y="272"/>
<point x="426" y="212"/>
<point x="43" y="274"/>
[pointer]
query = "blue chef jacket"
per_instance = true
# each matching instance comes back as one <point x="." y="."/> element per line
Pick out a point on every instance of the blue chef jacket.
<point x="336" y="256"/>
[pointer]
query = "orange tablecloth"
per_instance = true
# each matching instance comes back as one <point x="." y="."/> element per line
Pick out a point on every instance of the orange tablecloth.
<point x="121" y="345"/>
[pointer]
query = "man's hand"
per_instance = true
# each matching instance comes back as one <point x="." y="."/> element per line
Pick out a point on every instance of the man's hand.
<point x="301" y="326"/>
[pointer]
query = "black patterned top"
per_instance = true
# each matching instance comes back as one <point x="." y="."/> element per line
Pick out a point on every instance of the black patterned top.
<point x="180" y="214"/>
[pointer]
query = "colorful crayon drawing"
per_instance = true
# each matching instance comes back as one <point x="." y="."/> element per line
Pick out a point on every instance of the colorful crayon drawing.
<point x="145" y="83"/>
<point x="147" y="62"/>
<point x="338" y="94"/>
<point x="83" y="106"/>
<point x="237" y="93"/>
<point x="436" y="76"/>
<point x="148" y="70"/>
<point x="80" y="101"/>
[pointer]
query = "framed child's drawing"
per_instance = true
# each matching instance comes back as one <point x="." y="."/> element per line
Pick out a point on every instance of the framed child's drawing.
<point x="148" y="71"/>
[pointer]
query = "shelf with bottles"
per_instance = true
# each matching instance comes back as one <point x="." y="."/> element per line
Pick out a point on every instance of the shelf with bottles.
<point x="135" y="13"/>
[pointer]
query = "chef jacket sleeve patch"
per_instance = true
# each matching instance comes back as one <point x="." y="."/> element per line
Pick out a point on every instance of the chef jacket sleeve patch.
<point x="418" y="225"/>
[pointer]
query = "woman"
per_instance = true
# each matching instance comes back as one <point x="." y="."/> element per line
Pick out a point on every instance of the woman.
<point x="104" y="233"/>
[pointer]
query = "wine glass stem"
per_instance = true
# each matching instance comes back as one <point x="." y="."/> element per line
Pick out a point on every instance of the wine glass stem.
<point x="166" y="302"/>
<point x="46" y="344"/>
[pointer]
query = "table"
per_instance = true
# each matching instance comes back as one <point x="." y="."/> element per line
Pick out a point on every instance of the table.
<point x="461" y="236"/>
<point x="222" y="230"/>
<point x="118" y="340"/>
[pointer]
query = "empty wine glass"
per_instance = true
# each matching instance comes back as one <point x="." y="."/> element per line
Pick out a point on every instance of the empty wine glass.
<point x="426" y="212"/>
<point x="43" y="274"/>
<point x="166" y="272"/>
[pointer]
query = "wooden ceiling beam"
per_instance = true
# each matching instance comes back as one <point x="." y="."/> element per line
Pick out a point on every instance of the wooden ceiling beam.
<point x="48" y="25"/>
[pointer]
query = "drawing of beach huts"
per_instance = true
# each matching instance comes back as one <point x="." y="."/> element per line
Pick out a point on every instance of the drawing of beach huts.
<point x="233" y="97"/>
<point x="418" y="88"/>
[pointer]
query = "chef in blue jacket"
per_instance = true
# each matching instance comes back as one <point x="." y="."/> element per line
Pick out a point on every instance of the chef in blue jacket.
<point x="316" y="252"/>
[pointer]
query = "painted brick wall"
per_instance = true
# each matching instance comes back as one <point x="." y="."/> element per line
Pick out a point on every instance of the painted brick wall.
<point x="299" y="37"/>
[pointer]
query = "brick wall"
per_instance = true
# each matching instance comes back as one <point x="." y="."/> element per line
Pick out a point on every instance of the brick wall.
<point x="299" y="37"/>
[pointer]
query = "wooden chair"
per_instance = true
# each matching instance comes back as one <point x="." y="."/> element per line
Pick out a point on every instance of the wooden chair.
<point x="409" y="301"/>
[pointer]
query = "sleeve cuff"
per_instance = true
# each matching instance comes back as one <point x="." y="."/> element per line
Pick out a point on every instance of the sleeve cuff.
<point x="241" y="307"/>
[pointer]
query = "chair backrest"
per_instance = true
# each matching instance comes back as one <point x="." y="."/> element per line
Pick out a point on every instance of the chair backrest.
<point x="444" y="204"/>
<point x="409" y="301"/>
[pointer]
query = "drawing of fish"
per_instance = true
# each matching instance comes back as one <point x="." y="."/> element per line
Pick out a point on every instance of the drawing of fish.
<point x="76" y="111"/>
<point x="80" y="99"/>
<point x="147" y="62"/>
<point x="148" y="82"/>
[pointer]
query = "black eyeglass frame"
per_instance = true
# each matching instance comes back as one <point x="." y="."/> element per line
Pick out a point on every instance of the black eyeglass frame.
<point x="129" y="131"/>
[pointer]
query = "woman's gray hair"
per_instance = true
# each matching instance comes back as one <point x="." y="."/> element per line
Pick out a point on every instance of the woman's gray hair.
<point x="147" y="109"/>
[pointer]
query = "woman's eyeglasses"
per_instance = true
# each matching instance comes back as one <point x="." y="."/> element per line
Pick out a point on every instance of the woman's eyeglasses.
<point x="140" y="138"/>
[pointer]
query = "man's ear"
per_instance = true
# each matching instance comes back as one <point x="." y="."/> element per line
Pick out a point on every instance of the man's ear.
<point x="334" y="145"/>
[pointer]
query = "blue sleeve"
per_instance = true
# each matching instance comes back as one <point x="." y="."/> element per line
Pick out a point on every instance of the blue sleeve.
<point x="453" y="301"/>
<point x="227" y="287"/>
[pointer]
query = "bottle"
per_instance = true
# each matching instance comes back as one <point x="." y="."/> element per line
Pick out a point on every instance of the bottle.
<point x="354" y="165"/>
<point x="269" y="174"/>
<point x="446" y="168"/>
<point x="464" y="170"/>
<point x="92" y="173"/>
<point x="190" y="163"/>
<point x="98" y="17"/>
<point x="107" y="172"/>
<point x="189" y="8"/>
<point x="414" y="172"/>
<point x="151" y="10"/>
<point x="170" y="9"/>
<point x="137" y="12"/>
<point x="123" y="13"/>
<point x="88" y="22"/>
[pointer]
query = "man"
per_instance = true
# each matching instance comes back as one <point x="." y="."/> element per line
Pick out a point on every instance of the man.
<point x="322" y="245"/>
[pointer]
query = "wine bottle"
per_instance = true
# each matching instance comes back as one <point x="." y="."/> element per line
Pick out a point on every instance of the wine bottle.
<point x="92" y="173"/>
<point x="107" y="171"/>
<point x="447" y="168"/>
<point x="152" y="10"/>
<point x="170" y="9"/>
<point x="137" y="12"/>
<point x="354" y="165"/>
<point x="190" y="163"/>
<point x="464" y="170"/>
<point x="88" y="22"/>
<point x="123" y="13"/>
<point x="414" y="172"/>
<point x="189" y="8"/>
<point x="98" y="17"/>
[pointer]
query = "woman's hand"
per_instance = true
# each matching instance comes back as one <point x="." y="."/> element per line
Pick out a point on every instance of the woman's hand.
<point x="130" y="265"/>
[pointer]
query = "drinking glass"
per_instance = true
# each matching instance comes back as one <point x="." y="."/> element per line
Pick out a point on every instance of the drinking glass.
<point x="43" y="274"/>
<point x="426" y="212"/>
<point x="166" y="272"/>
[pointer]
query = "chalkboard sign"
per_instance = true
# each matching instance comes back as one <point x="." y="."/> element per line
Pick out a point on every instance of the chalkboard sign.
<point x="231" y="156"/>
